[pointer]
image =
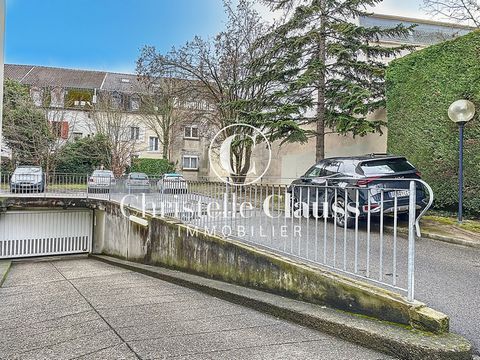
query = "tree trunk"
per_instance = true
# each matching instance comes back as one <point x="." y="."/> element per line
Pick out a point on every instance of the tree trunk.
<point x="320" y="136"/>
<point x="165" y="147"/>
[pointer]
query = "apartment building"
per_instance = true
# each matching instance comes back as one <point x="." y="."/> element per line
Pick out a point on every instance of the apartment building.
<point x="80" y="103"/>
<point x="69" y="97"/>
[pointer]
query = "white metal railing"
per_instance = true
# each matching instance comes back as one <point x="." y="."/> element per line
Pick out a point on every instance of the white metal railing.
<point x="348" y="226"/>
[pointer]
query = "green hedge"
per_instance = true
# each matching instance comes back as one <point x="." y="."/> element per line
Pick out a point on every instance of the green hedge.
<point x="420" y="88"/>
<point x="153" y="167"/>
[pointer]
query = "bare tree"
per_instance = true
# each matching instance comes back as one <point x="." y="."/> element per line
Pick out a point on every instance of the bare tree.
<point x="111" y="121"/>
<point x="161" y="107"/>
<point x="219" y="70"/>
<point x="61" y="120"/>
<point x="460" y="11"/>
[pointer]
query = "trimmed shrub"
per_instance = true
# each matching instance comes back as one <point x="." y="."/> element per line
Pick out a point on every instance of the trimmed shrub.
<point x="420" y="88"/>
<point x="154" y="167"/>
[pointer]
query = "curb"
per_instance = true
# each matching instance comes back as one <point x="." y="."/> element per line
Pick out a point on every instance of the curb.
<point x="389" y="338"/>
<point x="431" y="236"/>
<point x="4" y="269"/>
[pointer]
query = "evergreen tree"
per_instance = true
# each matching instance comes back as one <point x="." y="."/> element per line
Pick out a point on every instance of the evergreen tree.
<point x="25" y="128"/>
<point x="327" y="68"/>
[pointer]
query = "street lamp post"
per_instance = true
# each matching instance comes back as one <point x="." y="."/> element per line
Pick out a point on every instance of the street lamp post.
<point x="461" y="112"/>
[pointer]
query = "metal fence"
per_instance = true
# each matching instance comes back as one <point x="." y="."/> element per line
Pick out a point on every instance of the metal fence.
<point x="349" y="227"/>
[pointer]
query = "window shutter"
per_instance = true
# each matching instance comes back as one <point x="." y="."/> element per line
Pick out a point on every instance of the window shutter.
<point x="64" y="130"/>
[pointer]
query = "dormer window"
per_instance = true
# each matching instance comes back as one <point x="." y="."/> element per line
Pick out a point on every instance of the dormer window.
<point x="134" y="103"/>
<point x="116" y="100"/>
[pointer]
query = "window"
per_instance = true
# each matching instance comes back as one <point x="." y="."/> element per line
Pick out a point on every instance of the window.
<point x="37" y="96"/>
<point x="77" y="135"/>
<point x="386" y="166"/>
<point x="134" y="103"/>
<point x="190" y="162"/>
<point x="191" y="132"/>
<point x="57" y="96"/>
<point x="116" y="100"/>
<point x="153" y="143"/>
<point x="134" y="133"/>
<point x="331" y="168"/>
<point x="315" y="171"/>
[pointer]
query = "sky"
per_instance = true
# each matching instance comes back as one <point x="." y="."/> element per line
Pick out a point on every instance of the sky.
<point x="108" y="34"/>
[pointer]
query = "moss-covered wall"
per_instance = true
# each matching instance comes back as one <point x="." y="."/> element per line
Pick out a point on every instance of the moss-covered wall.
<point x="174" y="245"/>
<point x="420" y="88"/>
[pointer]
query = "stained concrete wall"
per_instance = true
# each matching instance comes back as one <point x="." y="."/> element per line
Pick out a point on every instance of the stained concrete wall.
<point x="171" y="244"/>
<point x="174" y="245"/>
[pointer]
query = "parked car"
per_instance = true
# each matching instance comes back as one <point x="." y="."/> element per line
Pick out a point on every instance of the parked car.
<point x="347" y="175"/>
<point x="137" y="181"/>
<point x="101" y="181"/>
<point x="27" y="178"/>
<point x="172" y="183"/>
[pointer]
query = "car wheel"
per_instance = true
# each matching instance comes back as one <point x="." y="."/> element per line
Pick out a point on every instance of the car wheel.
<point x="405" y="216"/>
<point x="339" y="215"/>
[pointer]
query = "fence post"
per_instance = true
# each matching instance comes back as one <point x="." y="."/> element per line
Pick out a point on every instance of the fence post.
<point x="411" y="241"/>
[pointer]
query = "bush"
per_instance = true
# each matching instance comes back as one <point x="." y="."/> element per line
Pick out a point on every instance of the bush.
<point x="420" y="88"/>
<point x="82" y="156"/>
<point x="154" y="167"/>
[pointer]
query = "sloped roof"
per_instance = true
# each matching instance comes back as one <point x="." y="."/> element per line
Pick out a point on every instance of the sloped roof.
<point x="125" y="83"/>
<point x="44" y="76"/>
<point x="16" y="72"/>
<point x="52" y="76"/>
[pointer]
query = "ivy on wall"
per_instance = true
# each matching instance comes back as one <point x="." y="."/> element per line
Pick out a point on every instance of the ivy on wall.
<point x="420" y="88"/>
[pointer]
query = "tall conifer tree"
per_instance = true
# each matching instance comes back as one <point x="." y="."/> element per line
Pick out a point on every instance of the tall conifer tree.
<point x="327" y="68"/>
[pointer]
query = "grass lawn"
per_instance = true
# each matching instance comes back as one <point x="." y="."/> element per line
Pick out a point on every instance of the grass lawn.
<point x="444" y="221"/>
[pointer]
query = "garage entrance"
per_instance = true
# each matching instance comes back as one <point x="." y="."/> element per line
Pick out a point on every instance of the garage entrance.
<point x="45" y="232"/>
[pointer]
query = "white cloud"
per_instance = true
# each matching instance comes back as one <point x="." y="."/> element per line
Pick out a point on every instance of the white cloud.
<point x="408" y="8"/>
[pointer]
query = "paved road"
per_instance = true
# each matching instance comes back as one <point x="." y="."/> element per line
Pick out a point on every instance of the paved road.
<point x="85" y="309"/>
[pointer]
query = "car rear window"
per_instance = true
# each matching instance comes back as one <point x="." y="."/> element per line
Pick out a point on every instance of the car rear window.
<point x="174" y="177"/>
<point x="102" y="173"/>
<point x="28" y="170"/>
<point x="386" y="166"/>
<point x="139" y="176"/>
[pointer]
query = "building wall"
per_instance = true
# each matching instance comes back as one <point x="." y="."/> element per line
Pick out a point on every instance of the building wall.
<point x="290" y="161"/>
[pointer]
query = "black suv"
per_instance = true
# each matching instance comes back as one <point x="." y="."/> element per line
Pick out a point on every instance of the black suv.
<point x="338" y="179"/>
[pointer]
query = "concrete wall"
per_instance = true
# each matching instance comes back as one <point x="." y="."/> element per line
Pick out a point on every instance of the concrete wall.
<point x="174" y="245"/>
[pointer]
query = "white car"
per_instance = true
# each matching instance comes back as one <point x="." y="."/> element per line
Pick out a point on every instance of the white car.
<point x="101" y="181"/>
<point x="173" y="184"/>
<point x="27" y="178"/>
